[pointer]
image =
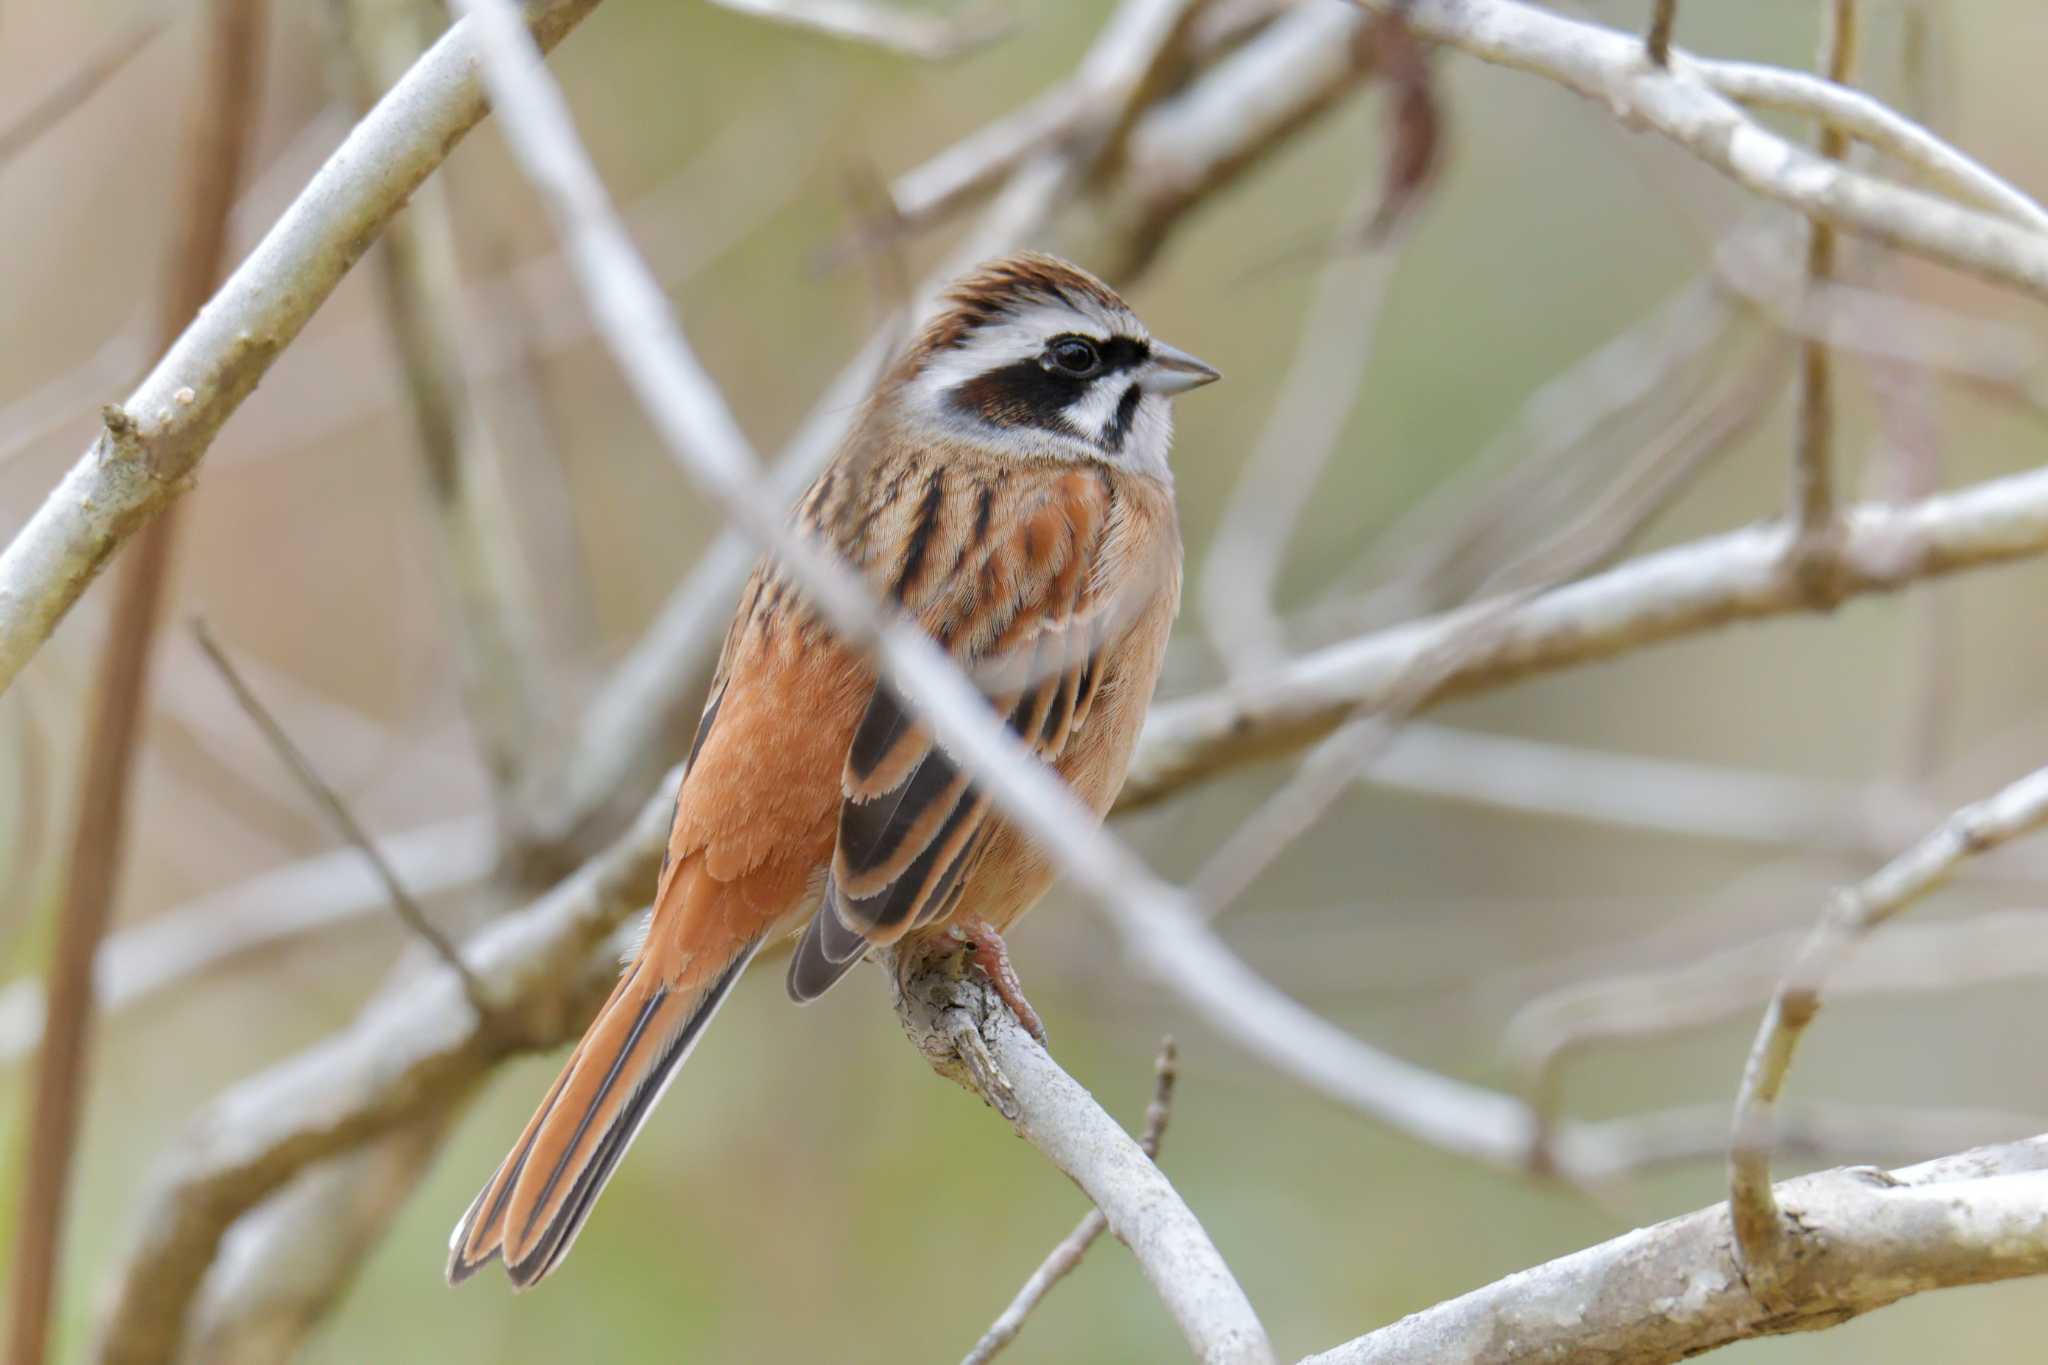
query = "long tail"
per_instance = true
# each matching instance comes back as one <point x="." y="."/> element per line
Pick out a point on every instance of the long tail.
<point x="532" y="1208"/>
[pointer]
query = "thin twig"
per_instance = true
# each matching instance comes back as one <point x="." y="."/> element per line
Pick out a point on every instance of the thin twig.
<point x="1813" y="478"/>
<point x="1760" y="1228"/>
<point x="223" y="110"/>
<point x="1681" y="105"/>
<point x="1657" y="42"/>
<point x="412" y="1052"/>
<point x="73" y="89"/>
<point x="337" y="809"/>
<point x="482" y="569"/>
<point x="1067" y="1255"/>
<point x="283" y="1268"/>
<point x="25" y="844"/>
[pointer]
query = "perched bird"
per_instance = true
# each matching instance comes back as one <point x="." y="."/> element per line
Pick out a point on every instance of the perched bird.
<point x="1006" y="485"/>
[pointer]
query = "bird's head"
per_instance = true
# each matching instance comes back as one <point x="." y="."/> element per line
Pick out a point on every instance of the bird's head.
<point x="1038" y="358"/>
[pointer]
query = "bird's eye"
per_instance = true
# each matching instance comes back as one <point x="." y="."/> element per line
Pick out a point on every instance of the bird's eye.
<point x="1075" y="357"/>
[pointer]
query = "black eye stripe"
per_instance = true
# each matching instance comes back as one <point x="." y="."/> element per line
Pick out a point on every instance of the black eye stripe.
<point x="1036" y="393"/>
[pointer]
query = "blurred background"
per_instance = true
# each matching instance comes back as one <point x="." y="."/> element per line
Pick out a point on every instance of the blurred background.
<point x="810" y="1191"/>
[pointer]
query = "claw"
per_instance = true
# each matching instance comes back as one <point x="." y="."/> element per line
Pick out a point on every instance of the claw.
<point x="987" y="951"/>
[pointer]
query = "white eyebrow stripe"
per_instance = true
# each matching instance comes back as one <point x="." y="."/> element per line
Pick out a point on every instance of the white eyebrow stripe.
<point x="1019" y="336"/>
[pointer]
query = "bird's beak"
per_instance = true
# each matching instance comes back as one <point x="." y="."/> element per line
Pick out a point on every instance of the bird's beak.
<point x="1173" y="371"/>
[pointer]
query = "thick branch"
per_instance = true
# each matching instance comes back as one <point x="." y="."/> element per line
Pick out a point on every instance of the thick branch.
<point x="969" y="1036"/>
<point x="1678" y="103"/>
<point x="412" y="1052"/>
<point x="1867" y="1238"/>
<point x="1681" y="591"/>
<point x="1768" y="1238"/>
<point x="1064" y="1257"/>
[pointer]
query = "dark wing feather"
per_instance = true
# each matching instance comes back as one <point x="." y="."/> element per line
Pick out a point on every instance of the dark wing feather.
<point x="911" y="825"/>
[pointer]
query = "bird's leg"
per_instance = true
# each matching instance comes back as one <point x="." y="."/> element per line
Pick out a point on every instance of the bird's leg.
<point x="986" y="950"/>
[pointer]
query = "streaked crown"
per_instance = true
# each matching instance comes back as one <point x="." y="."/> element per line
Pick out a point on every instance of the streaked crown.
<point x="1041" y="359"/>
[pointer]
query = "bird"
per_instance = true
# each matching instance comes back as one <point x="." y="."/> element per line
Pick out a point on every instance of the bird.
<point x="1006" y="487"/>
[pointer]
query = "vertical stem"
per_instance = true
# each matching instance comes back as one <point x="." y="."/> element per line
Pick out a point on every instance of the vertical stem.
<point x="1813" y="486"/>
<point x="224" y="108"/>
<point x="481" y="570"/>
<point x="1657" y="42"/>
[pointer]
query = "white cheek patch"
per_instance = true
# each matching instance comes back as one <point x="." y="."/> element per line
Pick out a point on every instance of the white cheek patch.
<point x="1095" y="410"/>
<point x="1150" y="437"/>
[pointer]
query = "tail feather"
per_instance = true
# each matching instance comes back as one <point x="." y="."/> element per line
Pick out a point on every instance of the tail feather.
<point x="534" y="1205"/>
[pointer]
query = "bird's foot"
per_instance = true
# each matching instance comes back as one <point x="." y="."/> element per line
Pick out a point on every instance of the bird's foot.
<point x="987" y="951"/>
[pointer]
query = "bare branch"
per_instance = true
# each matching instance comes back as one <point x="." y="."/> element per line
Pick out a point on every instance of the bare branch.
<point x="284" y="1266"/>
<point x="413" y="1052"/>
<point x="928" y="192"/>
<point x="1868" y="1238"/>
<point x="1680" y="591"/>
<point x="1880" y="127"/>
<point x="1249" y="102"/>
<point x="956" y="1020"/>
<point x="1678" y="103"/>
<point x="1067" y="1255"/>
<point x="1972" y="831"/>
